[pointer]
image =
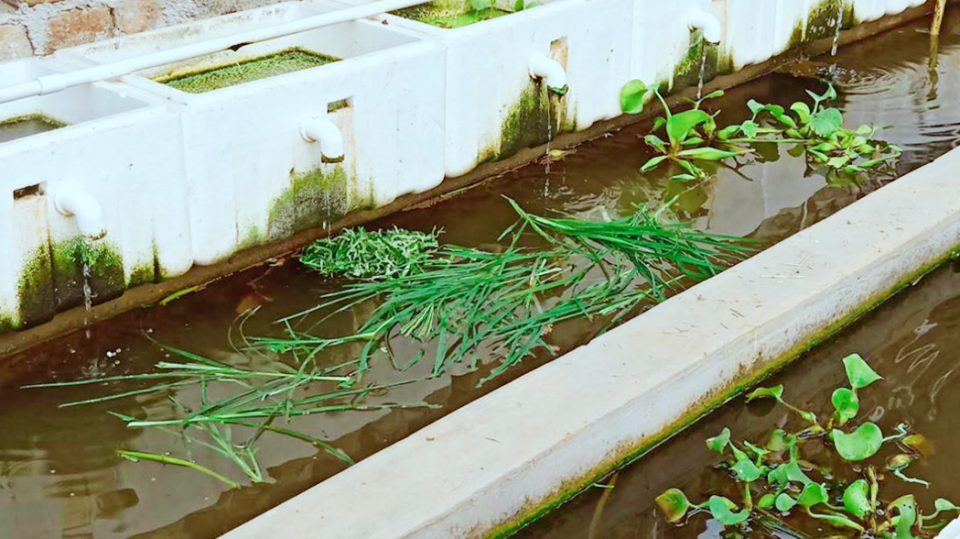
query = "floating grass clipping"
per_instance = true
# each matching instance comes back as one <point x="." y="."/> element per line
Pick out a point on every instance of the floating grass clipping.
<point x="279" y="63"/>
<point x="358" y="254"/>
<point x="465" y="302"/>
<point x="262" y="397"/>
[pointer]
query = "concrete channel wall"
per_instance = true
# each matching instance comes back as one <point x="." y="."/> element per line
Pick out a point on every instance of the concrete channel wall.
<point x="406" y="105"/>
<point x="489" y="466"/>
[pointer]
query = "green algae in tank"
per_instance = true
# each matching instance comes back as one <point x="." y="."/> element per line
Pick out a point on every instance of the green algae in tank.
<point x="25" y="126"/>
<point x="443" y="17"/>
<point x="280" y="63"/>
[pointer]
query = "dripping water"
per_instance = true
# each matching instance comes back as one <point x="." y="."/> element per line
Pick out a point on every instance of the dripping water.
<point x="703" y="67"/>
<point x="87" y="295"/>
<point x="546" y="186"/>
<point x="837" y="29"/>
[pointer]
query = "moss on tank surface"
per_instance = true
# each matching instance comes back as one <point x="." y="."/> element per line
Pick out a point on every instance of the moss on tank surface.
<point x="449" y="14"/>
<point x="535" y="119"/>
<point x="821" y="22"/>
<point x="687" y="72"/>
<point x="106" y="272"/>
<point x="313" y="198"/>
<point x="271" y="65"/>
<point x="35" y="290"/>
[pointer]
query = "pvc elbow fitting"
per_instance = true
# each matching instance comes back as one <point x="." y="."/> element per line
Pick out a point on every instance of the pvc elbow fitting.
<point x="321" y="130"/>
<point x="699" y="19"/>
<point x="70" y="198"/>
<point x="549" y="71"/>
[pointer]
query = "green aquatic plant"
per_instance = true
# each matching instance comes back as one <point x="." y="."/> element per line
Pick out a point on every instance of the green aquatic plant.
<point x="694" y="137"/>
<point x="463" y="302"/>
<point x="779" y="484"/>
<point x="227" y="409"/>
<point x="359" y="254"/>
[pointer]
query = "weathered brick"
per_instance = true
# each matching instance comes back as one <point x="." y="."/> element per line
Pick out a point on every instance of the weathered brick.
<point x="79" y="26"/>
<point x="14" y="42"/>
<point x="137" y="15"/>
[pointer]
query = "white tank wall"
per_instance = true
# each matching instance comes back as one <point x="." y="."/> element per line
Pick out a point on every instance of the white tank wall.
<point x="192" y="178"/>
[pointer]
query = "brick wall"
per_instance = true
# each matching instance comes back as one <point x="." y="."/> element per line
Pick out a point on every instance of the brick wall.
<point x="38" y="27"/>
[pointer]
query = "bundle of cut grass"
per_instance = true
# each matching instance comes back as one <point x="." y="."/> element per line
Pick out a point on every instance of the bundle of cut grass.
<point x="359" y="254"/>
<point x="465" y="301"/>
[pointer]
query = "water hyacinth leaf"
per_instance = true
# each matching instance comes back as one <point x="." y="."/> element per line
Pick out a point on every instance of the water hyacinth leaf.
<point x="754" y="106"/>
<point x="694" y="170"/>
<point x="674" y="504"/>
<point x="728" y="132"/>
<point x="680" y="125"/>
<point x="826" y="122"/>
<point x="722" y="509"/>
<point x="861" y="444"/>
<point x="856" y="499"/>
<point x="749" y="129"/>
<point x="837" y="520"/>
<point x="634" y="95"/>
<point x="777" y="441"/>
<point x="758" y="451"/>
<point x="796" y="474"/>
<point x="785" y="503"/>
<point x="813" y="494"/>
<point x="775" y="392"/>
<point x="652" y="164"/>
<point x="858" y="372"/>
<point x="684" y="177"/>
<point x="802" y="110"/>
<point x="655" y="142"/>
<point x="719" y="442"/>
<point x="746" y="470"/>
<point x="767" y="501"/>
<point x="708" y="154"/>
<point x="899" y="462"/>
<point x="906" y="507"/>
<point x="846" y="403"/>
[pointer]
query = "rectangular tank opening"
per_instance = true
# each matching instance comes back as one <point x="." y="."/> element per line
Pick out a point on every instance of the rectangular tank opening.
<point x="30" y="190"/>
<point x="27" y="125"/>
<point x="339" y="104"/>
<point x="262" y="67"/>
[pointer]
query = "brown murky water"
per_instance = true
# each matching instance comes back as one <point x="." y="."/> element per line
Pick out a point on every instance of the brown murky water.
<point x="913" y="341"/>
<point x="59" y="473"/>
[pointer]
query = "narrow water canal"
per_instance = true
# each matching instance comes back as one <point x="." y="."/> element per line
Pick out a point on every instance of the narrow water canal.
<point x="60" y="475"/>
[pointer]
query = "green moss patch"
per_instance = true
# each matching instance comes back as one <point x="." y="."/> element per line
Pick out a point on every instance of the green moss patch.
<point x="280" y="63"/>
<point x="35" y="290"/>
<point x="449" y="16"/>
<point x="532" y="121"/>
<point x="24" y="126"/>
<point x="822" y="20"/>
<point x="106" y="272"/>
<point x="313" y="198"/>
<point x="687" y="72"/>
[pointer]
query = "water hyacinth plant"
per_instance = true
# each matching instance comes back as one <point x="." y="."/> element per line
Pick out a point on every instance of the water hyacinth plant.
<point x="694" y="137"/>
<point x="781" y="485"/>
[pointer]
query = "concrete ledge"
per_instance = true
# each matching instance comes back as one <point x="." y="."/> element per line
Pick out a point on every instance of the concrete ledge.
<point x="505" y="457"/>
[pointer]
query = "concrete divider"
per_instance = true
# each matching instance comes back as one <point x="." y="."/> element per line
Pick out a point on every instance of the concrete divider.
<point x="493" y="464"/>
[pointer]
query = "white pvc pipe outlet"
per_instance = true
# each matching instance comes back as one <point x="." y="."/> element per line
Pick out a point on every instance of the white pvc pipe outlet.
<point x="549" y="71"/>
<point x="321" y="130"/>
<point x="698" y="19"/>
<point x="60" y="81"/>
<point x="71" y="199"/>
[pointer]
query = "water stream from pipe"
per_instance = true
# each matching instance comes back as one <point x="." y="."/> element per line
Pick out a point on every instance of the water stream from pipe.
<point x="87" y="296"/>
<point x="838" y="28"/>
<point x="703" y="67"/>
<point x="546" y="186"/>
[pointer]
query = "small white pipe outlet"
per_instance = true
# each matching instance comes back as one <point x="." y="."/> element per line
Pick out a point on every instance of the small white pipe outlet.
<point x="548" y="70"/>
<point x="321" y="130"/>
<point x="698" y="19"/>
<point x="71" y="199"/>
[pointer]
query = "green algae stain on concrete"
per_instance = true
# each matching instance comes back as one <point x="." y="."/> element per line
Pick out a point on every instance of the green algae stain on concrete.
<point x="687" y="73"/>
<point x="822" y="21"/>
<point x="35" y="290"/>
<point x="106" y="280"/>
<point x="535" y="119"/>
<point x="313" y="198"/>
<point x="272" y="65"/>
